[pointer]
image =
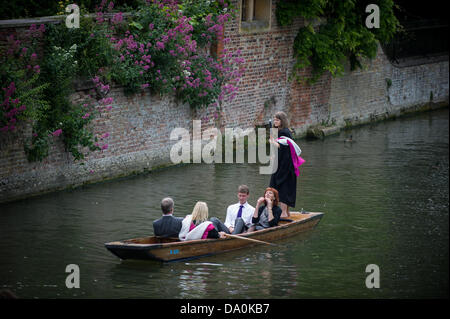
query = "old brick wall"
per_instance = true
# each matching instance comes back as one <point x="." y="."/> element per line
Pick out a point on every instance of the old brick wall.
<point x="265" y="87"/>
<point x="139" y="127"/>
<point x="382" y="90"/>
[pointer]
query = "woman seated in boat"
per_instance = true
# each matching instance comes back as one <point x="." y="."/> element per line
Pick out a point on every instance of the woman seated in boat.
<point x="267" y="213"/>
<point x="197" y="226"/>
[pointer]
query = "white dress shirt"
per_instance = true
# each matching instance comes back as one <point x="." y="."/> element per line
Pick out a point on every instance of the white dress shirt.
<point x="232" y="211"/>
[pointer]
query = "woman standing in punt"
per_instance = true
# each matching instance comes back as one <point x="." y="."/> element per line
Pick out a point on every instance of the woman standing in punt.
<point x="284" y="180"/>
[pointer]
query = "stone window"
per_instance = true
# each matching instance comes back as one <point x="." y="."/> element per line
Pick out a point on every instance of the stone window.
<point x="255" y="15"/>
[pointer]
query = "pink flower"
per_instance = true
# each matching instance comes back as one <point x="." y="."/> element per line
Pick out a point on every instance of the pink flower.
<point x="160" y="45"/>
<point x="99" y="17"/>
<point x="105" y="146"/>
<point x="105" y="135"/>
<point x="117" y="18"/>
<point x="107" y="100"/>
<point x="104" y="88"/>
<point x="33" y="56"/>
<point x="57" y="132"/>
<point x="85" y="116"/>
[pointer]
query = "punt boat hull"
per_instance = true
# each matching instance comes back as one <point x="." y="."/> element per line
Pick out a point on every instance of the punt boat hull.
<point x="171" y="249"/>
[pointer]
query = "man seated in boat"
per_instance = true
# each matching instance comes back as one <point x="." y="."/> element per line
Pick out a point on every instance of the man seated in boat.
<point x="168" y="225"/>
<point x="197" y="226"/>
<point x="239" y="216"/>
<point x="267" y="213"/>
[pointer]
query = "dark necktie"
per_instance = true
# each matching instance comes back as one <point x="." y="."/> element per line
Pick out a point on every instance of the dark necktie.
<point x="240" y="211"/>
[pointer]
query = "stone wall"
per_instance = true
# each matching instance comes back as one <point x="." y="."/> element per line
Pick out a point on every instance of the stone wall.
<point x="139" y="127"/>
<point x="383" y="90"/>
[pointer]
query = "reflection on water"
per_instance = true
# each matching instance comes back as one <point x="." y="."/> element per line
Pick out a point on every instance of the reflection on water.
<point x="385" y="199"/>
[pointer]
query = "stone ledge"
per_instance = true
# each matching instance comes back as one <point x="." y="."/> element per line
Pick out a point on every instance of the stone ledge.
<point x="13" y="23"/>
<point x="322" y="131"/>
<point x="420" y="60"/>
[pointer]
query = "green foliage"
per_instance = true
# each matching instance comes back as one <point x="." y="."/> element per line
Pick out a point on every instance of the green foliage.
<point x="164" y="46"/>
<point x="287" y="11"/>
<point x="76" y="133"/>
<point x="22" y="95"/>
<point x="198" y="11"/>
<point x="39" y="87"/>
<point x="93" y="48"/>
<point x="341" y="34"/>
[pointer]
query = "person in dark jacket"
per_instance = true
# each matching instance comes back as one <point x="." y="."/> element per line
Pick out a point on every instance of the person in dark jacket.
<point x="267" y="213"/>
<point x="284" y="179"/>
<point x="168" y="225"/>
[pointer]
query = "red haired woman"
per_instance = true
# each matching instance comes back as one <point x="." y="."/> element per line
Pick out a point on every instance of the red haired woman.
<point x="267" y="213"/>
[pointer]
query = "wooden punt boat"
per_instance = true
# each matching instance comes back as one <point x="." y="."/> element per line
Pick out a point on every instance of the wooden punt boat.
<point x="171" y="249"/>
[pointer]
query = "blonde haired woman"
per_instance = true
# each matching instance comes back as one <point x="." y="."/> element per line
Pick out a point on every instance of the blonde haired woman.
<point x="197" y="226"/>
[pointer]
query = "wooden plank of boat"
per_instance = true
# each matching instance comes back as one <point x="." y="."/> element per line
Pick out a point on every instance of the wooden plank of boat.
<point x="171" y="249"/>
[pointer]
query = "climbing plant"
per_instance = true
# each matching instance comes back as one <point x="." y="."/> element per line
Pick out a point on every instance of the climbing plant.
<point x="334" y="32"/>
<point x="162" y="46"/>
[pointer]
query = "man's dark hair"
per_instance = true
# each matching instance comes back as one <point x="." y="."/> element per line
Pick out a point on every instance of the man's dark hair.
<point x="243" y="189"/>
<point x="167" y="205"/>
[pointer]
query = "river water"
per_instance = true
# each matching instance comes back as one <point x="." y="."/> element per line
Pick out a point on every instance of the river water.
<point x="385" y="199"/>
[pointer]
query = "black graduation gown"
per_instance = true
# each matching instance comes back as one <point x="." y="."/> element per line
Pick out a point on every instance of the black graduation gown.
<point x="284" y="179"/>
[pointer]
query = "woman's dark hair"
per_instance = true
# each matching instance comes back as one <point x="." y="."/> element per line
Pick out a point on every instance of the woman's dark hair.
<point x="275" y="194"/>
<point x="283" y="118"/>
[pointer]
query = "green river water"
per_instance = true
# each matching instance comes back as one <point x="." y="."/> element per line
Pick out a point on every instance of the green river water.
<point x="385" y="199"/>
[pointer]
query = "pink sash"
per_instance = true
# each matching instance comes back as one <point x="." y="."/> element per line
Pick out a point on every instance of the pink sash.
<point x="205" y="234"/>
<point x="296" y="160"/>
